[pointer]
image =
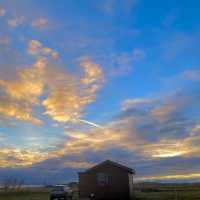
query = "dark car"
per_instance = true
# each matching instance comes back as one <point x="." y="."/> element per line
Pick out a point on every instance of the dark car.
<point x="60" y="192"/>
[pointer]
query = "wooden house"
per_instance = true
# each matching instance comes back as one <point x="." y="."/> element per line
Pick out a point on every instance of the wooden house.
<point x="107" y="180"/>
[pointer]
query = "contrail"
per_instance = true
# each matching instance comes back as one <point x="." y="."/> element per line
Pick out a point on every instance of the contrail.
<point x="91" y="123"/>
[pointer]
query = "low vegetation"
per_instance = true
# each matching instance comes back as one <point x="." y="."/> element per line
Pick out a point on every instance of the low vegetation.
<point x="156" y="191"/>
<point x="143" y="191"/>
<point x="25" y="194"/>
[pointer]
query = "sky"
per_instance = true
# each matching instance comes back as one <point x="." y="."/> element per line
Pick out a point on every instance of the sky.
<point x="89" y="80"/>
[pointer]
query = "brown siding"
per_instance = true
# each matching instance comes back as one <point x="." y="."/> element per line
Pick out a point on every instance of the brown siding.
<point x="118" y="188"/>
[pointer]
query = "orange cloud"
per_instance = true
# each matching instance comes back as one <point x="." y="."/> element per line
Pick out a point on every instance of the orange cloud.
<point x="93" y="74"/>
<point x="23" y="92"/>
<point x="36" y="48"/>
<point x="192" y="75"/>
<point x="63" y="102"/>
<point x="16" y="21"/>
<point x="2" y="12"/>
<point x="162" y="112"/>
<point x="130" y="103"/>
<point x="13" y="157"/>
<point x="185" y="176"/>
<point x="68" y="95"/>
<point x="95" y="140"/>
<point x="171" y="147"/>
<point x="28" y="85"/>
<point x="40" y="23"/>
<point x="17" y="110"/>
<point x="77" y="164"/>
<point x="4" y="40"/>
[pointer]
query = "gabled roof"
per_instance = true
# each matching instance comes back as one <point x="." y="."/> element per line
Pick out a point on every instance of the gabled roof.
<point x="109" y="162"/>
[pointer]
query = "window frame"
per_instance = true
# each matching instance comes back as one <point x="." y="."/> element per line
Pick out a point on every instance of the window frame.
<point x="103" y="179"/>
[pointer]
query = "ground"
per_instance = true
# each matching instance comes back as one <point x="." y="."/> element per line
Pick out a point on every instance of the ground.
<point x="25" y="194"/>
<point x="168" y="196"/>
<point x="142" y="192"/>
<point x="155" y="191"/>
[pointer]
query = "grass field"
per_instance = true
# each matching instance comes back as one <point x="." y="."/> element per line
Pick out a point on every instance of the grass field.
<point x="183" y="195"/>
<point x="142" y="192"/>
<point x="25" y="195"/>
<point x="167" y="191"/>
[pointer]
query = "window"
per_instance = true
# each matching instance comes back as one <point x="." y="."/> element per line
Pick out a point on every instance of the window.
<point x="103" y="179"/>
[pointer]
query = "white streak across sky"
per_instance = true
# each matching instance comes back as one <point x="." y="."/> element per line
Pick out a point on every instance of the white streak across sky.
<point x="91" y="123"/>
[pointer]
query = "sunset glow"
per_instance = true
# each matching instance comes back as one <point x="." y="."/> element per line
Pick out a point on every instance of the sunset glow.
<point x="86" y="81"/>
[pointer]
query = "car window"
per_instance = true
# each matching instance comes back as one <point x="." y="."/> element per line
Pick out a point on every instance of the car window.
<point x="60" y="189"/>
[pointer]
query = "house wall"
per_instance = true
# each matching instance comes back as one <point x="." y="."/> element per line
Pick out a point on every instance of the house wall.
<point x="131" y="191"/>
<point x="118" y="188"/>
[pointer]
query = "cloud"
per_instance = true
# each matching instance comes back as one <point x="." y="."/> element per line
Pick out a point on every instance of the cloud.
<point x="2" y="138"/>
<point x="168" y="133"/>
<point x="13" y="157"/>
<point x="123" y="62"/>
<point x="111" y="6"/>
<point x="164" y="124"/>
<point x="16" y="21"/>
<point x="177" y="45"/>
<point x="130" y="103"/>
<point x="139" y="140"/>
<point x="68" y="96"/>
<point x="78" y="164"/>
<point x="164" y="112"/>
<point x="20" y="94"/>
<point x="2" y="12"/>
<point x="17" y="110"/>
<point x="40" y="23"/>
<point x="63" y="163"/>
<point x="191" y="176"/>
<point x="64" y="97"/>
<point x="63" y="103"/>
<point x="93" y="77"/>
<point x="4" y="40"/>
<point x="28" y="85"/>
<point x="144" y="131"/>
<point x="95" y="140"/>
<point x="36" y="48"/>
<point x="148" y="128"/>
<point x="192" y="75"/>
<point x="138" y="54"/>
<point x="102" y="143"/>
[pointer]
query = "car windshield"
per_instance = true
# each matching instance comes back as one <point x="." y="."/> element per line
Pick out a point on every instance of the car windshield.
<point x="59" y="188"/>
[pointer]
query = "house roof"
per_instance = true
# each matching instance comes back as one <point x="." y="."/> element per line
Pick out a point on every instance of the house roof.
<point x="109" y="162"/>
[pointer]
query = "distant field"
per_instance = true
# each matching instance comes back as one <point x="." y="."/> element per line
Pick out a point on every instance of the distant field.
<point x="25" y="195"/>
<point x="194" y="195"/>
<point x="167" y="191"/>
<point x="139" y="196"/>
<point x="142" y="192"/>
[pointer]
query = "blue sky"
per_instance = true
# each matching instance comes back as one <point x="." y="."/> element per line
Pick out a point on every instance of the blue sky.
<point x="88" y="80"/>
